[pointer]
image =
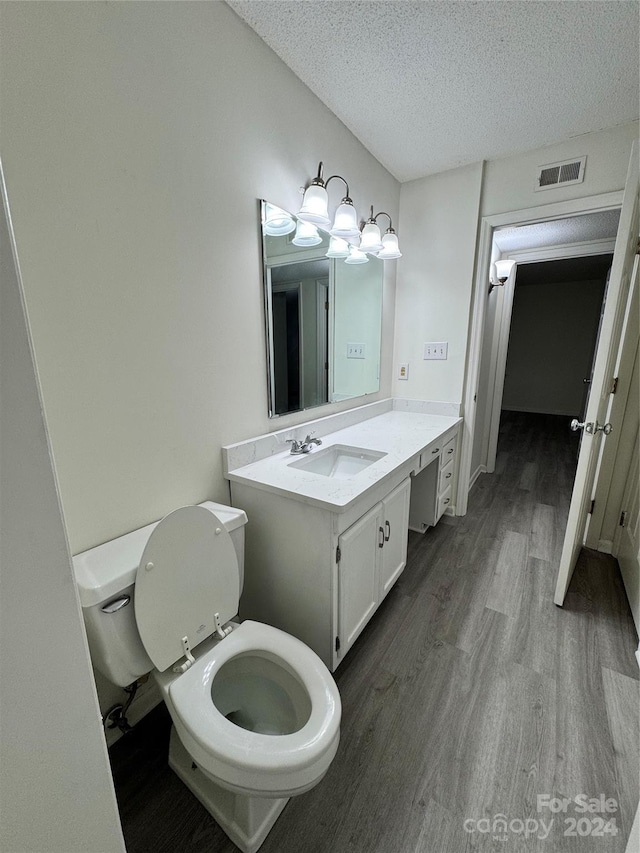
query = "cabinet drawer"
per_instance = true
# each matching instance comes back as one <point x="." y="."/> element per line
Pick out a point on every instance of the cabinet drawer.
<point x="449" y="450"/>
<point x="443" y="502"/>
<point x="446" y="475"/>
<point x="428" y="456"/>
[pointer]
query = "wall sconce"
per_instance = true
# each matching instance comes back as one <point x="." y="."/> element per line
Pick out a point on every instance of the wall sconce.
<point x="503" y="270"/>
<point x="315" y="210"/>
<point x="386" y="248"/>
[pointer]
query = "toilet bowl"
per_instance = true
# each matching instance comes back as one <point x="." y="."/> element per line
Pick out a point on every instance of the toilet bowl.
<point x="256" y="714"/>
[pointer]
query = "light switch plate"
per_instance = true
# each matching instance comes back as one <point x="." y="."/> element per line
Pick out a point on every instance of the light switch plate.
<point x="356" y="351"/>
<point x="437" y="350"/>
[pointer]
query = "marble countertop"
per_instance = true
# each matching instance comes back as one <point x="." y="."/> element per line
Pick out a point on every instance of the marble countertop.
<point x="402" y="436"/>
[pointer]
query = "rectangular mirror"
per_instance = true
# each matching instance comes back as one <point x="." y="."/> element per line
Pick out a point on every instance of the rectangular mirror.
<point x="323" y="318"/>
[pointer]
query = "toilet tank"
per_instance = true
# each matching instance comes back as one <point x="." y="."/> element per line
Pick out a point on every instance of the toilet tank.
<point x="106" y="582"/>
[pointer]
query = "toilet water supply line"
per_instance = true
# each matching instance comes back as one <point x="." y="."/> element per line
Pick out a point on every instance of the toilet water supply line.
<point x="116" y="716"/>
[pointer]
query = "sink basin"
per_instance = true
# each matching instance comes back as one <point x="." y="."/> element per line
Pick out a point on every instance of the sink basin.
<point x="338" y="461"/>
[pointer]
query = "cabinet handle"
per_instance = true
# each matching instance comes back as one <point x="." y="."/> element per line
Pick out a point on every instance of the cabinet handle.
<point x="448" y="475"/>
<point x="388" y="526"/>
<point x="447" y="500"/>
<point x="381" y="542"/>
<point x="437" y="450"/>
<point x="450" y="451"/>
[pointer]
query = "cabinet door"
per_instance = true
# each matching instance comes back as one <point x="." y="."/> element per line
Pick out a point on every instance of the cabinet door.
<point x="396" y="530"/>
<point x="359" y="546"/>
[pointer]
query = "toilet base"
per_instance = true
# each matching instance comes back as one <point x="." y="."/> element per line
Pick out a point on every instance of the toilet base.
<point x="246" y="820"/>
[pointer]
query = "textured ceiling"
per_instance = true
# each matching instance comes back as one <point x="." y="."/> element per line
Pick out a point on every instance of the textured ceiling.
<point x="428" y="86"/>
<point x="559" y="232"/>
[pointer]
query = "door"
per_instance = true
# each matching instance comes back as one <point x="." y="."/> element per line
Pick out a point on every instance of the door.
<point x="358" y="575"/>
<point x="396" y="532"/>
<point x="627" y="544"/>
<point x="599" y="398"/>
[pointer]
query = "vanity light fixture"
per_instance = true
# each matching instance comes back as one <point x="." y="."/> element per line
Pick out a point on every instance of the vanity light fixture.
<point x="385" y="248"/>
<point x="315" y="208"/>
<point x="503" y="269"/>
<point x="306" y="235"/>
<point x="277" y="222"/>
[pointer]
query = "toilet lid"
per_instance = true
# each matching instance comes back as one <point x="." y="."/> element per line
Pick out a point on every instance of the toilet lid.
<point x="188" y="573"/>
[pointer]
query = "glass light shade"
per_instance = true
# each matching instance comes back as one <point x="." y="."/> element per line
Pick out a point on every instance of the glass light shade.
<point x="356" y="256"/>
<point x="390" y="249"/>
<point x="370" y="240"/>
<point x="306" y="235"/>
<point x="345" y="223"/>
<point x="277" y="221"/>
<point x="338" y="248"/>
<point x="503" y="269"/>
<point x="315" y="206"/>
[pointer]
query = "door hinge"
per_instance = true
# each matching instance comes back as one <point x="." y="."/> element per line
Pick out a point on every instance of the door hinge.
<point x="614" y="386"/>
<point x="592" y="507"/>
<point x="338" y="554"/>
<point x="337" y="644"/>
<point x="623" y="518"/>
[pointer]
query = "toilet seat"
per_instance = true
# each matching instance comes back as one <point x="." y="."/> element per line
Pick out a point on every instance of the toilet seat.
<point x="251" y="762"/>
<point x="187" y="583"/>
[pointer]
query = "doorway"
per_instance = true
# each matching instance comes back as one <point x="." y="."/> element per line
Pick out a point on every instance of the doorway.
<point x="608" y="351"/>
<point x="555" y="317"/>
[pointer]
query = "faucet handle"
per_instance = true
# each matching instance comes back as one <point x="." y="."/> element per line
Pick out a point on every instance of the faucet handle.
<point x="311" y="440"/>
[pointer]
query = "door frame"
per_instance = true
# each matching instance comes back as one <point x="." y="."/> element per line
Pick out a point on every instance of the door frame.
<point x="528" y="216"/>
<point x="502" y="331"/>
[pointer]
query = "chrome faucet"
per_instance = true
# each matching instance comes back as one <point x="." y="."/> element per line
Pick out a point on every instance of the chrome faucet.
<point x="304" y="446"/>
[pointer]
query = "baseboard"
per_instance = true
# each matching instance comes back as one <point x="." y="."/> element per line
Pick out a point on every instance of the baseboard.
<point x="481" y="469"/>
<point x="605" y="546"/>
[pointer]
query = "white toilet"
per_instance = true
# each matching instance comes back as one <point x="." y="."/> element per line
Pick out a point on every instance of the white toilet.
<point x="256" y="714"/>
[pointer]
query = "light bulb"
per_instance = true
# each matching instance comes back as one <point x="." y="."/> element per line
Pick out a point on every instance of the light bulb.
<point x="390" y="249"/>
<point x="315" y="206"/>
<point x="370" y="241"/>
<point x="345" y="223"/>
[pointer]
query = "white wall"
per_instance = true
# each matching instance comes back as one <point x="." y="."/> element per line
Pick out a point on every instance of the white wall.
<point x="137" y="138"/>
<point x="438" y="230"/>
<point x="509" y="183"/>
<point x="551" y="345"/>
<point x="56" y="792"/>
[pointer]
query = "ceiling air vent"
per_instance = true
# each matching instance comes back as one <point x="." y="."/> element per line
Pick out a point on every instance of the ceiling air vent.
<point x="555" y="174"/>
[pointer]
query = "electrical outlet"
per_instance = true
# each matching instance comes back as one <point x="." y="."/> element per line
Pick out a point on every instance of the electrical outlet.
<point x="403" y="371"/>
<point x="356" y="351"/>
<point x="437" y="350"/>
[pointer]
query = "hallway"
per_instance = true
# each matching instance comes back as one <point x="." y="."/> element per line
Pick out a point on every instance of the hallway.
<point x="468" y="695"/>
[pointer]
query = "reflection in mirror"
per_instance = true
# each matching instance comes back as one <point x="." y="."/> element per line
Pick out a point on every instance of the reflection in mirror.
<point x="323" y="318"/>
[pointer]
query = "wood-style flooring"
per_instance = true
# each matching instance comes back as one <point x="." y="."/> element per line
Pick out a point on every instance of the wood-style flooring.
<point x="468" y="696"/>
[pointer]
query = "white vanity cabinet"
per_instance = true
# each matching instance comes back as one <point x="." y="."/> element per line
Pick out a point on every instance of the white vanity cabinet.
<point x="432" y="485"/>
<point x="323" y="550"/>
<point x="317" y="574"/>
<point x="371" y="555"/>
